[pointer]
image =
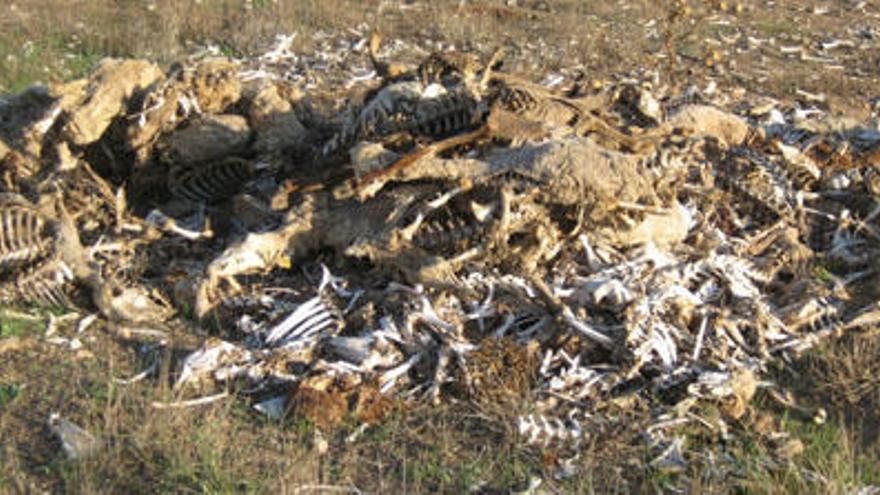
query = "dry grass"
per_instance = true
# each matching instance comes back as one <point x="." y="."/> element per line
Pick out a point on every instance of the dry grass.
<point x="44" y="40"/>
<point x="227" y="448"/>
<point x="50" y="40"/>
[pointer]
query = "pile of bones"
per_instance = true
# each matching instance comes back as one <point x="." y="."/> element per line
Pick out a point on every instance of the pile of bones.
<point x="340" y="233"/>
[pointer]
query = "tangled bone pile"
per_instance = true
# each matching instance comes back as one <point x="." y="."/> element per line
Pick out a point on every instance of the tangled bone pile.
<point x="490" y="239"/>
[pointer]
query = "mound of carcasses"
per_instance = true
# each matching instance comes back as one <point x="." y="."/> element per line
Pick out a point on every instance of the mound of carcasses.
<point x="355" y="233"/>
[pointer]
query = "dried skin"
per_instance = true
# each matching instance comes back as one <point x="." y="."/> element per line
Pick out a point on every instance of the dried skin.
<point x="704" y="120"/>
<point x="209" y="138"/>
<point x="570" y="171"/>
<point x="210" y="86"/>
<point x="110" y="87"/>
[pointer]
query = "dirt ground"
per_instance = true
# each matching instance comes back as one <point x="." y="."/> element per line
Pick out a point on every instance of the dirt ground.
<point x="823" y="53"/>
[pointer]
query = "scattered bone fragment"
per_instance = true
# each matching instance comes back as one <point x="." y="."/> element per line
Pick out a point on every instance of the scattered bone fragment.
<point x="664" y="229"/>
<point x="214" y="356"/>
<point x="77" y="442"/>
<point x="274" y="408"/>
<point x="671" y="459"/>
<point x="201" y="401"/>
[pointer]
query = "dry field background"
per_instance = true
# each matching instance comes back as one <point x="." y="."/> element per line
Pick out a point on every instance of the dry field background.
<point x="227" y="448"/>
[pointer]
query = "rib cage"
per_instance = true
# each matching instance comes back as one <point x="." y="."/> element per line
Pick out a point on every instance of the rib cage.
<point x="444" y="115"/>
<point x="516" y="99"/>
<point x="25" y="235"/>
<point x="546" y="108"/>
<point x="759" y="181"/>
<point x="35" y="255"/>
<point x="391" y="102"/>
<point x="210" y="183"/>
<point x="445" y="233"/>
<point x="545" y="431"/>
<point x="402" y="108"/>
<point x="448" y="227"/>
<point x="432" y="117"/>
<point x="48" y="284"/>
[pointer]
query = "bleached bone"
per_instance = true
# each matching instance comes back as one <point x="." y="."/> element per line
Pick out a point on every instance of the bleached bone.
<point x="338" y="284"/>
<point x="388" y="379"/>
<point x="367" y="352"/>
<point x="596" y="290"/>
<point x="585" y="329"/>
<point x="214" y="355"/>
<point x="671" y="459"/>
<point x="76" y="441"/>
<point x="429" y="316"/>
<point x="86" y="322"/>
<point x="539" y="430"/>
<point x="164" y="222"/>
<point x="701" y="334"/>
<point x="190" y="403"/>
<point x="483" y="309"/>
<point x="140" y="376"/>
<point x="305" y="322"/>
<point x="273" y="408"/>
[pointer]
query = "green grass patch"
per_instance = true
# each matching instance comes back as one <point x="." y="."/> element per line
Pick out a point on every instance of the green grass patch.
<point x="13" y="327"/>
<point x="48" y="59"/>
<point x="8" y="393"/>
<point x="831" y="462"/>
